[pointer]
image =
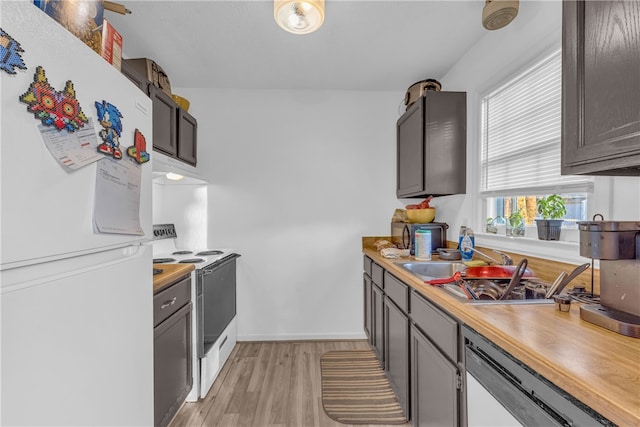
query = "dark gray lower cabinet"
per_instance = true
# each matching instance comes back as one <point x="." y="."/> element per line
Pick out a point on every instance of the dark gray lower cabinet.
<point x="366" y="279"/>
<point x="419" y="346"/>
<point x="373" y="283"/>
<point x="377" y="308"/>
<point x="436" y="365"/>
<point x="367" y="306"/>
<point x="172" y="350"/>
<point x="396" y="351"/>
<point x="435" y="385"/>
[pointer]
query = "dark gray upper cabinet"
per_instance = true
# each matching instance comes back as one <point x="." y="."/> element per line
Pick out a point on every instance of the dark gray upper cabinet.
<point x="174" y="130"/>
<point x="187" y="137"/>
<point x="165" y="129"/>
<point x="136" y="78"/>
<point x="601" y="87"/>
<point x="432" y="146"/>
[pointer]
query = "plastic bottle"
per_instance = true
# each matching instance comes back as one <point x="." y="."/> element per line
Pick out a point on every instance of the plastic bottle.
<point x="463" y="230"/>
<point x="423" y="245"/>
<point x="468" y="241"/>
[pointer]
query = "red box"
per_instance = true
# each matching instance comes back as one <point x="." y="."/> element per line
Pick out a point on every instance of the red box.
<point x="111" y="45"/>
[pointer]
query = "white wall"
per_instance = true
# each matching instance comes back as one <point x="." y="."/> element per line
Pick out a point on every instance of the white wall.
<point x="537" y="31"/>
<point x="185" y="206"/>
<point x="498" y="55"/>
<point x="296" y="179"/>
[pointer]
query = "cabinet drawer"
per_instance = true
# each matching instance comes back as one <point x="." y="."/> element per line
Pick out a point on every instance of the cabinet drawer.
<point x="367" y="265"/>
<point x="397" y="291"/>
<point x="441" y="329"/>
<point x="377" y="274"/>
<point x="170" y="300"/>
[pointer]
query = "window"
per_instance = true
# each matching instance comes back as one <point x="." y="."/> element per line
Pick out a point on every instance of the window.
<point x="520" y="153"/>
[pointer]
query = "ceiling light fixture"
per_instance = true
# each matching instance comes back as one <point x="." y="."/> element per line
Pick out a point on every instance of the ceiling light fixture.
<point x="174" y="176"/>
<point x="299" y="17"/>
<point x="499" y="13"/>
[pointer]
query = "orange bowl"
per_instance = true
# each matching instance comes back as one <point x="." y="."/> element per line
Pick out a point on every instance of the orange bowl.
<point x="182" y="102"/>
<point x="421" y="216"/>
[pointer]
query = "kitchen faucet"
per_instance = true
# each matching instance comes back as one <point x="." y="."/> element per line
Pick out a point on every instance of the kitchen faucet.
<point x="506" y="259"/>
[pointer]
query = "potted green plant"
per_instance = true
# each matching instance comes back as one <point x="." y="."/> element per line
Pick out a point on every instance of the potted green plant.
<point x="515" y="225"/>
<point x="553" y="209"/>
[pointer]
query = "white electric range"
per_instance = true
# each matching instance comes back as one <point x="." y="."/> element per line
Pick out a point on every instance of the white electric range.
<point x="213" y="293"/>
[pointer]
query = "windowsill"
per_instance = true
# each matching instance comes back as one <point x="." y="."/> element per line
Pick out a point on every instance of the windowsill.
<point x="561" y="251"/>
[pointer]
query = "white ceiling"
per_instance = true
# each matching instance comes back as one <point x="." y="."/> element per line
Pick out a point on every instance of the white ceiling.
<point x="363" y="45"/>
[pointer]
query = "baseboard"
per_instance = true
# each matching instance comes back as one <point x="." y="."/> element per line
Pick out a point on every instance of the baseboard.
<point x="302" y="337"/>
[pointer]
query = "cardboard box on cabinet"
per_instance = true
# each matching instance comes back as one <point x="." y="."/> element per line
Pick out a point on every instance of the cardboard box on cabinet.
<point x="152" y="71"/>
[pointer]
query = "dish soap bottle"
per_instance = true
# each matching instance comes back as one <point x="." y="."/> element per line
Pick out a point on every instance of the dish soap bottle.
<point x="466" y="243"/>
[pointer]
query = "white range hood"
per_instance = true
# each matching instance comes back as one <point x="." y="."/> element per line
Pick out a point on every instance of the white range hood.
<point x="165" y="168"/>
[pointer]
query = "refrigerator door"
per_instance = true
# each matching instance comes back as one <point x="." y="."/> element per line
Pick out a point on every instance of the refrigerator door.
<point x="77" y="344"/>
<point x="47" y="211"/>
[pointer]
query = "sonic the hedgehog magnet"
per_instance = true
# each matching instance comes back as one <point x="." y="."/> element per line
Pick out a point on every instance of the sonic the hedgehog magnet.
<point x="109" y="117"/>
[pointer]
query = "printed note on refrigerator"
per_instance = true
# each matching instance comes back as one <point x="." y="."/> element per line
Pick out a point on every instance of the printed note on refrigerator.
<point x="73" y="150"/>
<point x="117" y="199"/>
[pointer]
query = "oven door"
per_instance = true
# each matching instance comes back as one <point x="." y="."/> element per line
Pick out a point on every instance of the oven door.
<point x="216" y="300"/>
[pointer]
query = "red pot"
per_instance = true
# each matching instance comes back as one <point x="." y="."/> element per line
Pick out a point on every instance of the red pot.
<point x="493" y="272"/>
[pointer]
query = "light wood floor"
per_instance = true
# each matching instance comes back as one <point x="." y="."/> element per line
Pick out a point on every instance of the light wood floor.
<point x="268" y="384"/>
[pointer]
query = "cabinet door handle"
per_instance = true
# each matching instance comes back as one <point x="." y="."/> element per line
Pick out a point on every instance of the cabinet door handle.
<point x="168" y="303"/>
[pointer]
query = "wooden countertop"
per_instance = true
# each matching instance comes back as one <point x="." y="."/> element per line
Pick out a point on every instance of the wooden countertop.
<point x="170" y="273"/>
<point x="596" y="366"/>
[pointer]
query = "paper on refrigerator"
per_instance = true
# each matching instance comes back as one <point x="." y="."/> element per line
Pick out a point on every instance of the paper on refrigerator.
<point x="73" y="150"/>
<point x="117" y="199"/>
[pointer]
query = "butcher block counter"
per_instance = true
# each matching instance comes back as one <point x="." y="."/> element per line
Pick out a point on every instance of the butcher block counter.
<point x="170" y="273"/>
<point x="598" y="367"/>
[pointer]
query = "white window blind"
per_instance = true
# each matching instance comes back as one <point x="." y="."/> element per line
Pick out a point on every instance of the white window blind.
<point x="521" y="131"/>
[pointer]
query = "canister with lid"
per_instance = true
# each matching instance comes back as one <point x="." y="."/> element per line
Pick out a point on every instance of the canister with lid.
<point x="423" y="245"/>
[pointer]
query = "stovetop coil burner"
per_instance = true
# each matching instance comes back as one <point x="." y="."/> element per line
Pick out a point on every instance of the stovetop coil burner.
<point x="211" y="252"/>
<point x="163" y="260"/>
<point x="191" y="261"/>
<point x="181" y="253"/>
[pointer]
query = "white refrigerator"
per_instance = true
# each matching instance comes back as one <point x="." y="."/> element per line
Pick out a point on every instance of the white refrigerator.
<point x="76" y="333"/>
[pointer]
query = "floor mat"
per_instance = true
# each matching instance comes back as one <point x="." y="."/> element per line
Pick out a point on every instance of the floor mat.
<point x="355" y="389"/>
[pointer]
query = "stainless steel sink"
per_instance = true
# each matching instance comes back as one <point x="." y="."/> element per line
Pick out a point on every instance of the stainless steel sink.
<point x="429" y="270"/>
<point x="525" y="293"/>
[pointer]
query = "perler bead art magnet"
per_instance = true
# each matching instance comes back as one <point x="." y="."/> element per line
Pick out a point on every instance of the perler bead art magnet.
<point x="138" y="149"/>
<point x="10" y="54"/>
<point x="53" y="108"/>
<point x="109" y="117"/>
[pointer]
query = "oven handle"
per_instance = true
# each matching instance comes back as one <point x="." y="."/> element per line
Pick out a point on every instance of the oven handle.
<point x="213" y="267"/>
